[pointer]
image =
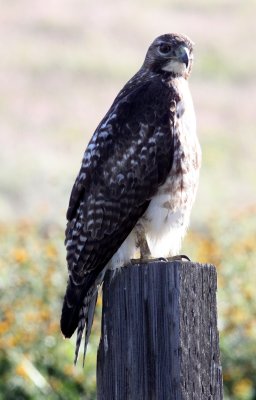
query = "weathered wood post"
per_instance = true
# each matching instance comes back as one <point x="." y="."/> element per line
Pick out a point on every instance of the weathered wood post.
<point x="159" y="336"/>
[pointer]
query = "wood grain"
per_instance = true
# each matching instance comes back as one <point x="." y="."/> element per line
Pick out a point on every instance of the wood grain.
<point x="159" y="336"/>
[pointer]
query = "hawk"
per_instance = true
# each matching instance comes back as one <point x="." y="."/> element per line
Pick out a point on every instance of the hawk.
<point x="137" y="181"/>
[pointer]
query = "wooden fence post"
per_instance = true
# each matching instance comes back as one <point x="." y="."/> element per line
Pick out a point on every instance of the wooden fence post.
<point x="159" y="338"/>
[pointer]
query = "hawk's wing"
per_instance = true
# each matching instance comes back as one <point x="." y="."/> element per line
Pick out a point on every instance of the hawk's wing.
<point x="127" y="159"/>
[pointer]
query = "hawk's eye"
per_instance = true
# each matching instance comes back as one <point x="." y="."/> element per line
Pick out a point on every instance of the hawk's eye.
<point x="164" y="48"/>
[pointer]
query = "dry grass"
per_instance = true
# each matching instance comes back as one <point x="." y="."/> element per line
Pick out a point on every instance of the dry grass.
<point x="62" y="64"/>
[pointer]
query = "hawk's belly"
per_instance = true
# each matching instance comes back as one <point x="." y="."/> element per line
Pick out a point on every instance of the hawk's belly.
<point x="167" y="217"/>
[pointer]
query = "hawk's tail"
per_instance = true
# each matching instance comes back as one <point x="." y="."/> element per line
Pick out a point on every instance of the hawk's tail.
<point x="71" y="307"/>
<point x="86" y="315"/>
<point x="78" y="311"/>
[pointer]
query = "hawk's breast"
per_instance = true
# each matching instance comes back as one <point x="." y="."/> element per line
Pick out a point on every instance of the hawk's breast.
<point x="167" y="216"/>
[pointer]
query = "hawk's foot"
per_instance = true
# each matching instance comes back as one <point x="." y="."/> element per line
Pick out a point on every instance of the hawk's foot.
<point x="142" y="260"/>
<point x="180" y="257"/>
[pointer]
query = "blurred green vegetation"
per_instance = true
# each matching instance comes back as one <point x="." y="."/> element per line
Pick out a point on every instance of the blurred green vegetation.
<point x="230" y="244"/>
<point x="37" y="363"/>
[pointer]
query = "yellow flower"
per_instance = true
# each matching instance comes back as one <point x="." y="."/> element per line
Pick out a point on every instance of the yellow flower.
<point x="69" y="370"/>
<point x="53" y="328"/>
<point x="250" y="329"/>
<point x="44" y="314"/>
<point x="21" y="370"/>
<point x="20" y="255"/>
<point x="6" y="342"/>
<point x="248" y="291"/>
<point x="51" y="251"/>
<point x="9" y="315"/>
<point x="237" y="315"/>
<point x="243" y="388"/>
<point x="31" y="316"/>
<point x="4" y="327"/>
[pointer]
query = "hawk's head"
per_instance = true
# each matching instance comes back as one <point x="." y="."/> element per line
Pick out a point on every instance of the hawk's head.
<point x="172" y="53"/>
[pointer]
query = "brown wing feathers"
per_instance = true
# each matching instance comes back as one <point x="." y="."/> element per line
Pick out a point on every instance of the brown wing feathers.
<point x="127" y="159"/>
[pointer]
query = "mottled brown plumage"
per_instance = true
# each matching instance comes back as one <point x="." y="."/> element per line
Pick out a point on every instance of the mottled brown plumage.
<point x="141" y="159"/>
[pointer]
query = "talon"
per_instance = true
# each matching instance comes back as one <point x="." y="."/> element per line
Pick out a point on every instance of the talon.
<point x="180" y="257"/>
<point x="184" y="256"/>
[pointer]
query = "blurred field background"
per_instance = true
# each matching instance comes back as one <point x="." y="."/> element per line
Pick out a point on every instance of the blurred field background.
<point x="62" y="63"/>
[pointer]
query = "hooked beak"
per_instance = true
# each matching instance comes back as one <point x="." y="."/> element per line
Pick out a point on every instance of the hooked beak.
<point x="182" y="54"/>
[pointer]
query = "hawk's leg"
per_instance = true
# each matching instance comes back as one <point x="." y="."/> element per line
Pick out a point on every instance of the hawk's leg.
<point x="145" y="255"/>
<point x="143" y="246"/>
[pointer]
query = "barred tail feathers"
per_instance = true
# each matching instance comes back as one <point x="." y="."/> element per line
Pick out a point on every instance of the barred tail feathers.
<point x="81" y="324"/>
<point x="85" y="322"/>
<point x="90" y="316"/>
<point x="76" y="292"/>
<point x="86" y="315"/>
